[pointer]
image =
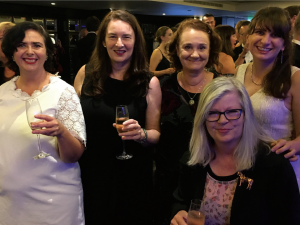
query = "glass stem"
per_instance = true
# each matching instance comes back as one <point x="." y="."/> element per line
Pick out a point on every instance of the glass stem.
<point x="39" y="143"/>
<point x="124" y="152"/>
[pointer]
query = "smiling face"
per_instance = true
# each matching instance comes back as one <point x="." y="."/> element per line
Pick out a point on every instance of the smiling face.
<point x="226" y="131"/>
<point x="193" y="50"/>
<point x="119" y="41"/>
<point x="264" y="44"/>
<point x="31" y="52"/>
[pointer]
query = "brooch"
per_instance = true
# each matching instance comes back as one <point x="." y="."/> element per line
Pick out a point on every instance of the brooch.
<point x="245" y="179"/>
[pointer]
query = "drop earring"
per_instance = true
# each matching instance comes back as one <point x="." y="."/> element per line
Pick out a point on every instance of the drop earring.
<point x="281" y="56"/>
<point x="46" y="58"/>
<point x="13" y="58"/>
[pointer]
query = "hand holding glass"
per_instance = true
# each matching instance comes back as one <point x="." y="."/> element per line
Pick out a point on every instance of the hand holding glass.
<point x="121" y="116"/>
<point x="195" y="215"/>
<point x="33" y="108"/>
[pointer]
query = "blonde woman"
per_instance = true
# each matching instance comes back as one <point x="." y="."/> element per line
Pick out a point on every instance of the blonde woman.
<point x="231" y="166"/>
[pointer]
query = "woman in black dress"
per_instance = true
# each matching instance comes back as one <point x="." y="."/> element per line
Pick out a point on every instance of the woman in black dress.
<point x="119" y="191"/>
<point x="159" y="61"/>
<point x="194" y="47"/>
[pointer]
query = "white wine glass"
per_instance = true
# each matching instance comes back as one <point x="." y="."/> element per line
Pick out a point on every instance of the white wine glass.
<point x="33" y="108"/>
<point x="121" y="116"/>
<point x="195" y="215"/>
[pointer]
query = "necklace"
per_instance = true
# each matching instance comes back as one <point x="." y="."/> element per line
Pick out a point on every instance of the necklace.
<point x="191" y="101"/>
<point x="252" y="78"/>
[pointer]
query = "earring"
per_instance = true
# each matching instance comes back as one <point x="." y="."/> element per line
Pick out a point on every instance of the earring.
<point x="13" y="58"/>
<point x="46" y="58"/>
<point x="281" y="56"/>
<point x="104" y="46"/>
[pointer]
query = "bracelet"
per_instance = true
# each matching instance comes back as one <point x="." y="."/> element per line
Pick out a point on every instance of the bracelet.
<point x="145" y="138"/>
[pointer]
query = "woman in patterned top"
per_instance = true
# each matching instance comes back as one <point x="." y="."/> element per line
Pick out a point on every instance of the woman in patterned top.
<point x="47" y="190"/>
<point x="230" y="165"/>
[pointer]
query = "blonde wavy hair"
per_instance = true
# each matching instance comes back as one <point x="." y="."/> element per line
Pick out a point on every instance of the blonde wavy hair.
<point x="201" y="144"/>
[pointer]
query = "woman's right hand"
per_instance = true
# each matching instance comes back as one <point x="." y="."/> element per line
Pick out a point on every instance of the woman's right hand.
<point x="169" y="71"/>
<point x="180" y="218"/>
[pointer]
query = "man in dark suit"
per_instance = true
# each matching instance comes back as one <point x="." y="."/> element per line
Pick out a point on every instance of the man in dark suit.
<point x="241" y="53"/>
<point x="86" y="45"/>
<point x="296" y="43"/>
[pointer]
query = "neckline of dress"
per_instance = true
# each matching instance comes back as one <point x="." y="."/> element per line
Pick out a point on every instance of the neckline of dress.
<point x="23" y="95"/>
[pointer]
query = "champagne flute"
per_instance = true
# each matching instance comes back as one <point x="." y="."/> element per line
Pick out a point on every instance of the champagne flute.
<point x="121" y="116"/>
<point x="33" y="108"/>
<point x="195" y="215"/>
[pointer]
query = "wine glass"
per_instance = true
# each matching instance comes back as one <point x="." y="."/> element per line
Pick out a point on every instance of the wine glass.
<point x="195" y="215"/>
<point x="33" y="108"/>
<point x="121" y="116"/>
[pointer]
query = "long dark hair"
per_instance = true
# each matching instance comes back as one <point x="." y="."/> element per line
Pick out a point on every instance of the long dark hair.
<point x="15" y="35"/>
<point x="137" y="76"/>
<point x="214" y="48"/>
<point x="225" y="32"/>
<point x="277" y="82"/>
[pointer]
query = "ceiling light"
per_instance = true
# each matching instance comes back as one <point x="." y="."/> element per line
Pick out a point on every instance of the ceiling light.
<point x="164" y="14"/>
<point x="52" y="3"/>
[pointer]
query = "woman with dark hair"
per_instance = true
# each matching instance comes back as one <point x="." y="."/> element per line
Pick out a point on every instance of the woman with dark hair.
<point x="119" y="191"/>
<point x="272" y="83"/>
<point x="46" y="188"/>
<point x="230" y="166"/>
<point x="226" y="64"/>
<point x="194" y="47"/>
<point x="159" y="61"/>
<point x="5" y="73"/>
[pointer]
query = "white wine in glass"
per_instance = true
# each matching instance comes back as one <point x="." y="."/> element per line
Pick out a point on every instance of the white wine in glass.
<point x="33" y="108"/>
<point x="122" y="115"/>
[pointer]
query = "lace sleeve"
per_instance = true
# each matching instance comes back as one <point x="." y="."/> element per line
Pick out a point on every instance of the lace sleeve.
<point x="70" y="114"/>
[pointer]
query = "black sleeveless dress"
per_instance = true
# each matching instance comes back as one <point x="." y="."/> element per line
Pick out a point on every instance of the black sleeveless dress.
<point x="115" y="191"/>
<point x="162" y="65"/>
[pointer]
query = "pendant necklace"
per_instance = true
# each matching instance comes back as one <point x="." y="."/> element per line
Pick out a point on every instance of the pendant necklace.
<point x="191" y="101"/>
<point x="252" y="78"/>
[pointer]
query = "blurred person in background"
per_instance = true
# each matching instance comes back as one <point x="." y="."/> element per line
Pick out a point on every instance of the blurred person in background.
<point x="209" y="19"/>
<point x="242" y="53"/>
<point x="160" y="61"/>
<point x="5" y="73"/>
<point x="226" y="64"/>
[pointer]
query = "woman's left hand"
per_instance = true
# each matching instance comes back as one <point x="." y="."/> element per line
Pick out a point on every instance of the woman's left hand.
<point x="132" y="131"/>
<point x="292" y="148"/>
<point x="50" y="126"/>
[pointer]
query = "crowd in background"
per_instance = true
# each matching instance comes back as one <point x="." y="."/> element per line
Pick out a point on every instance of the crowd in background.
<point x="213" y="115"/>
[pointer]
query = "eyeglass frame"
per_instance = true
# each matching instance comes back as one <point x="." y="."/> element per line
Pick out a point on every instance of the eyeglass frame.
<point x="223" y="113"/>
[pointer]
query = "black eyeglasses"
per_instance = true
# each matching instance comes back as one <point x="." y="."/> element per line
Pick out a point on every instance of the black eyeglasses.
<point x="232" y="114"/>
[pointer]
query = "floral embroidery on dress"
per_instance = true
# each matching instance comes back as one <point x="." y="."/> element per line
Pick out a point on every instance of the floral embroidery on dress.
<point x="70" y="114"/>
<point x="217" y="200"/>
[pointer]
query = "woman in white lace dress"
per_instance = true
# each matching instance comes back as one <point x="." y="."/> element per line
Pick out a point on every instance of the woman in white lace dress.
<point x="272" y="83"/>
<point x="47" y="189"/>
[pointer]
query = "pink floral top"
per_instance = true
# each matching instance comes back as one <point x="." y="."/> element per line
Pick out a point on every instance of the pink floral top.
<point x="217" y="198"/>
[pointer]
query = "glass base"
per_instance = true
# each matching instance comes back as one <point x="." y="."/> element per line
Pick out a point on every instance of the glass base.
<point x="41" y="155"/>
<point x="124" y="156"/>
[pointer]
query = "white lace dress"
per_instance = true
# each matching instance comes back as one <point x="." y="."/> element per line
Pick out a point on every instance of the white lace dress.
<point x="44" y="191"/>
<point x="272" y="114"/>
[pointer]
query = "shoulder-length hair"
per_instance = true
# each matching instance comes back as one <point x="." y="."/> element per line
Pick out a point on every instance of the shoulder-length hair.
<point x="225" y="32"/>
<point x="214" y="40"/>
<point x="15" y="35"/>
<point x="137" y="75"/>
<point x="201" y="144"/>
<point x="277" y="82"/>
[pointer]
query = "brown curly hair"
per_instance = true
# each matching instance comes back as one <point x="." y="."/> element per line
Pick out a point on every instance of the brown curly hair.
<point x="214" y="40"/>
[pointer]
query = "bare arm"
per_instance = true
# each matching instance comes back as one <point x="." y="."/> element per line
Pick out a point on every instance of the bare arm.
<point x="155" y="59"/>
<point x="227" y="66"/>
<point x="78" y="82"/>
<point x="294" y="145"/>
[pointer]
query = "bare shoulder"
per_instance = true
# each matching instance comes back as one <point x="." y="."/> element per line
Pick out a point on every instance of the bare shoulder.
<point x="78" y="82"/>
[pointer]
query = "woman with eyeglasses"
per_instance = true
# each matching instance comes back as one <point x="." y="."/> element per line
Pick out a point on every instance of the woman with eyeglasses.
<point x="230" y="166"/>
<point x="272" y="83"/>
